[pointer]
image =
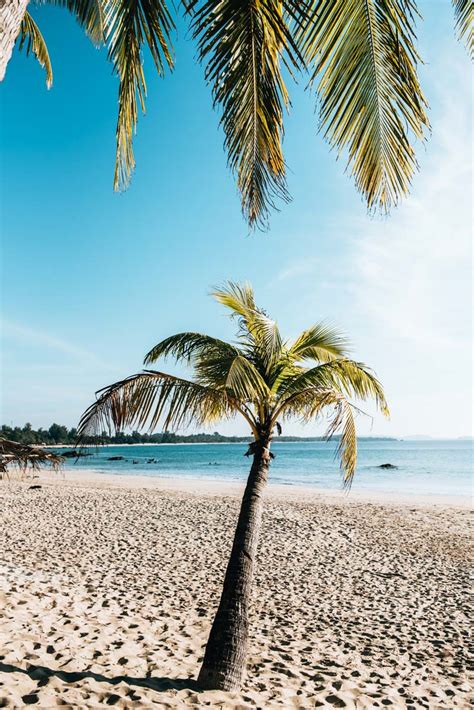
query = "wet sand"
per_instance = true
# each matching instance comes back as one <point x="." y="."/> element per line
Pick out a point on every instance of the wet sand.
<point x="108" y="587"/>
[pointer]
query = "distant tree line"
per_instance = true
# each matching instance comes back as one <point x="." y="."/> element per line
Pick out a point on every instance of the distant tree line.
<point x="58" y="434"/>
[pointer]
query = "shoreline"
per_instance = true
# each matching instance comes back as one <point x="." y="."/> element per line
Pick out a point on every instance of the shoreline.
<point x="242" y="442"/>
<point x="222" y="487"/>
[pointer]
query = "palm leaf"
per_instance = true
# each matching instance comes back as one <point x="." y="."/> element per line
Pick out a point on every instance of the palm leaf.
<point x="259" y="334"/>
<point x="243" y="380"/>
<point x="145" y="399"/>
<point x="189" y="346"/>
<point x="311" y="403"/>
<point x="320" y="343"/>
<point x="362" y="52"/>
<point x="242" y="45"/>
<point x="238" y="298"/>
<point x="31" y="35"/>
<point x="23" y="456"/>
<point x="345" y="376"/>
<point x="216" y="364"/>
<point x="343" y="421"/>
<point x="129" y="25"/>
<point x="89" y="13"/>
<point x="464" y="14"/>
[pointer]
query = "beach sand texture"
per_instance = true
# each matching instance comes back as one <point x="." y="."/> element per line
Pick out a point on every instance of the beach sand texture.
<point x="107" y="594"/>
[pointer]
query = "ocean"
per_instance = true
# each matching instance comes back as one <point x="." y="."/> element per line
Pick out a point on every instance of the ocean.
<point x="432" y="467"/>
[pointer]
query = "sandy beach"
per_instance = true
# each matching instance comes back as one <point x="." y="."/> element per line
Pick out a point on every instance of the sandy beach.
<point x="109" y="585"/>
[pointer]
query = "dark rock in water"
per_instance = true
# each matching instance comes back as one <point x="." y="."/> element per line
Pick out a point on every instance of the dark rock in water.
<point x="116" y="458"/>
<point x="387" y="465"/>
<point x="74" y="454"/>
<point x="134" y="461"/>
<point x="33" y="488"/>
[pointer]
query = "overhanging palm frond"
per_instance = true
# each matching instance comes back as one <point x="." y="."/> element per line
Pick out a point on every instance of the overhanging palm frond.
<point x="89" y="13"/>
<point x="129" y="25"/>
<point x="363" y="54"/>
<point x="242" y="45"/>
<point x="464" y="14"/>
<point x="23" y="456"/>
<point x="31" y="35"/>
<point x="145" y="399"/>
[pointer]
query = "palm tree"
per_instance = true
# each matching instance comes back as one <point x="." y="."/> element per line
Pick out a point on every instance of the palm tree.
<point x="266" y="380"/>
<point x="360" y="55"/>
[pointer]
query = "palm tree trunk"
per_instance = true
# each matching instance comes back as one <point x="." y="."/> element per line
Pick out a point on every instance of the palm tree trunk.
<point x="226" y="651"/>
<point x="11" y="15"/>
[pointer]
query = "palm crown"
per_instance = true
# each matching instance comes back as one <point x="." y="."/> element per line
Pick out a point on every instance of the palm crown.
<point x="261" y="377"/>
<point x="360" y="55"/>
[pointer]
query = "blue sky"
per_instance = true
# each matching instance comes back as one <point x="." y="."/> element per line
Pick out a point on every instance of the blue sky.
<point x="92" y="279"/>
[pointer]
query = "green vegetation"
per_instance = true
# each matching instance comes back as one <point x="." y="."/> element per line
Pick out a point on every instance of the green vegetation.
<point x="58" y="434"/>
<point x="266" y="380"/>
<point x="360" y="57"/>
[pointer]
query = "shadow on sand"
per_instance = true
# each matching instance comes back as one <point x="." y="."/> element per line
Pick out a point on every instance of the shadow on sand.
<point x="42" y="674"/>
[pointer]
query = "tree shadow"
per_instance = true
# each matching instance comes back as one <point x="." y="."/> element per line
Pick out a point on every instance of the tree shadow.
<point x="42" y="674"/>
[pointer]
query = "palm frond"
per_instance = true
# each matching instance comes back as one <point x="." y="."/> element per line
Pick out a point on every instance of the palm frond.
<point x="268" y="341"/>
<point x="147" y="398"/>
<point x="243" y="45"/>
<point x="259" y="334"/>
<point x="190" y="346"/>
<point x="129" y="25"/>
<point x="363" y="54"/>
<point x="244" y="380"/>
<point x="31" y="35"/>
<point x="89" y="13"/>
<point x="343" y="421"/>
<point x="238" y="298"/>
<point x="311" y="403"/>
<point x="320" y="342"/>
<point x="23" y="456"/>
<point x="464" y="14"/>
<point x="217" y="364"/>
<point x="345" y="376"/>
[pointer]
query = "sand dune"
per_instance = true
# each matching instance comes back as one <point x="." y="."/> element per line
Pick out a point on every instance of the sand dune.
<point x="107" y="593"/>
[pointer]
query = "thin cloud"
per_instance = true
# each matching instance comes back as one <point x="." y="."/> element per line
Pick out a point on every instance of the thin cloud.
<point x="298" y="268"/>
<point x="412" y="273"/>
<point x="39" y="338"/>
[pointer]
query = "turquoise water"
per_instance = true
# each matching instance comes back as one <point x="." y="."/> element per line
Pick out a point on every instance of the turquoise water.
<point x="423" y="467"/>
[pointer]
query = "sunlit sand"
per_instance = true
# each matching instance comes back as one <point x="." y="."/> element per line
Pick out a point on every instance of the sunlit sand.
<point x="108" y="589"/>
